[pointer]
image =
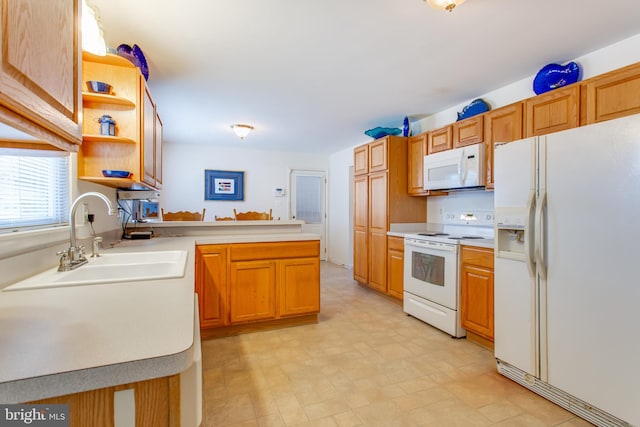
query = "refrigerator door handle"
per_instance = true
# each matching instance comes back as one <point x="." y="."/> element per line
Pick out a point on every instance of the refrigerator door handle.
<point x="540" y="231"/>
<point x="528" y="231"/>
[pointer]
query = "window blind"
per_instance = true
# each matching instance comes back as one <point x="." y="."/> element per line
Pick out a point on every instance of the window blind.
<point x="34" y="188"/>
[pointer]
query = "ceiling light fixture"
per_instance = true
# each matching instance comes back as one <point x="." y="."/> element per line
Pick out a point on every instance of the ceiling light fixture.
<point x="241" y="130"/>
<point x="447" y="5"/>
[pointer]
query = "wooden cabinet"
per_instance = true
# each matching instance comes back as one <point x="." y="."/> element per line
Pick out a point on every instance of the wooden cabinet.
<point x="211" y="285"/>
<point x="477" y="291"/>
<point x="501" y="125"/>
<point x="157" y="403"/>
<point x="151" y="140"/>
<point x="440" y="140"/>
<point x="299" y="290"/>
<point x="137" y="145"/>
<point x="361" y="160"/>
<point x="395" y="267"/>
<point x="378" y="155"/>
<point x="361" y="228"/>
<point x="611" y="95"/>
<point x="39" y="68"/>
<point x="417" y="148"/>
<point x="468" y="132"/>
<point x="381" y="198"/>
<point x="553" y="111"/>
<point x="243" y="283"/>
<point x="252" y="286"/>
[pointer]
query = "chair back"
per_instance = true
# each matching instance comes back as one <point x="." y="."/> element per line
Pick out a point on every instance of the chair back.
<point x="252" y="215"/>
<point x="183" y="216"/>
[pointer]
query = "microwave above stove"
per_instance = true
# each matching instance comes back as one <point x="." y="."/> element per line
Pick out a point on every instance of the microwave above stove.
<point x="459" y="168"/>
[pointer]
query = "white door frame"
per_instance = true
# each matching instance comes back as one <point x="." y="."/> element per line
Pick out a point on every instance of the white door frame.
<point x="312" y="228"/>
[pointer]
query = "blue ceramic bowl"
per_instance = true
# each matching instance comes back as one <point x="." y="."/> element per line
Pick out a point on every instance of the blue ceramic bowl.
<point x="379" y="132"/>
<point x="116" y="174"/>
<point x="98" y="87"/>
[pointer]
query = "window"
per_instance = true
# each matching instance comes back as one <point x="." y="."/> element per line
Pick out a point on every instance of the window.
<point x="34" y="188"/>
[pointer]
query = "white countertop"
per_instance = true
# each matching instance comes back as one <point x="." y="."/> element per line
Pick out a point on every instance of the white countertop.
<point x="65" y="340"/>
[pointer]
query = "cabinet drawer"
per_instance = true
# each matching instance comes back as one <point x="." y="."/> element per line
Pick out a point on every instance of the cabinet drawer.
<point x="480" y="257"/>
<point x="274" y="250"/>
<point x="395" y="243"/>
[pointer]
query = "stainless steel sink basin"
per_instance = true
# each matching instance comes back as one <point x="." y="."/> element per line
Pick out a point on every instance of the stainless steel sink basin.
<point x="112" y="268"/>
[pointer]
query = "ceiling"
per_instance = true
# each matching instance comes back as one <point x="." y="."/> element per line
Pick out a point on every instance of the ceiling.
<point x="312" y="76"/>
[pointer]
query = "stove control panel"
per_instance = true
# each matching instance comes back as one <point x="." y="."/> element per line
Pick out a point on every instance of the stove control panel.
<point x="479" y="217"/>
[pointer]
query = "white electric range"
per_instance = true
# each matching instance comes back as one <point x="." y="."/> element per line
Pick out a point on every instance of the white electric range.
<point x="432" y="267"/>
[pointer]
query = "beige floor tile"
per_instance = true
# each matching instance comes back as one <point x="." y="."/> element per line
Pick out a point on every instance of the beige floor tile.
<point x="365" y="364"/>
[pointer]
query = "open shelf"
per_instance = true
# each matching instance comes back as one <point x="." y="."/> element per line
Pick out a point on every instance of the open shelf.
<point x="107" y="138"/>
<point x="110" y="182"/>
<point x="104" y="98"/>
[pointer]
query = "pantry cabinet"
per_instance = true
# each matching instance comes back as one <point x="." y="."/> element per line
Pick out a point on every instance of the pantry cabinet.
<point x="136" y="146"/>
<point x="611" y="95"/>
<point x="381" y="198"/>
<point x="257" y="283"/>
<point x="39" y="69"/>
<point x="395" y="263"/>
<point x="501" y="125"/>
<point x="477" y="292"/>
<point x="553" y="111"/>
<point x="417" y="148"/>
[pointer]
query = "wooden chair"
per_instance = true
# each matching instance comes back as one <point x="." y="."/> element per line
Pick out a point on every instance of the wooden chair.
<point x="224" y="218"/>
<point x="252" y="215"/>
<point x="183" y="216"/>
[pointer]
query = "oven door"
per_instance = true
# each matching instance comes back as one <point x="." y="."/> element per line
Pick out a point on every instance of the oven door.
<point x="431" y="271"/>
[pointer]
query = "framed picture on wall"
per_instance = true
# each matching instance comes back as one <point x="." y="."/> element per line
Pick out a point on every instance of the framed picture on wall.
<point x="223" y="185"/>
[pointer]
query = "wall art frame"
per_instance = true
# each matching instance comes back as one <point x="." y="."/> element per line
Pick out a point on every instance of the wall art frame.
<point x="223" y="185"/>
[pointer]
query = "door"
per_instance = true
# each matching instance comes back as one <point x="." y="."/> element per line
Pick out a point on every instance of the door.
<point x="309" y="203"/>
<point x="589" y="248"/>
<point x="515" y="314"/>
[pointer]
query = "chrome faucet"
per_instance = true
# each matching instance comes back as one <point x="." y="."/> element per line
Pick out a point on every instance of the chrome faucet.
<point x="74" y="257"/>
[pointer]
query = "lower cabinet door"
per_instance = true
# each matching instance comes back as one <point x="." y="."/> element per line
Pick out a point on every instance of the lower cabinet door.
<point x="299" y="290"/>
<point x="252" y="291"/>
<point x="395" y="268"/>
<point x="211" y="285"/>
<point x="477" y="300"/>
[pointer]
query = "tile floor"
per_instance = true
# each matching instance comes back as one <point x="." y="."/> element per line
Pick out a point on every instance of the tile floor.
<point x="364" y="364"/>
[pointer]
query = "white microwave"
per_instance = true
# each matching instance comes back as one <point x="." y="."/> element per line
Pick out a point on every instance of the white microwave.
<point x="462" y="167"/>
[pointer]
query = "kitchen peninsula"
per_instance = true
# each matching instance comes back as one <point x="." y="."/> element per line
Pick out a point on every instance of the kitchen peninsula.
<point x="63" y="342"/>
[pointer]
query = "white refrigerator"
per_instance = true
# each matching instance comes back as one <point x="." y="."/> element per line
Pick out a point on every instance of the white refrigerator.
<point x="567" y="268"/>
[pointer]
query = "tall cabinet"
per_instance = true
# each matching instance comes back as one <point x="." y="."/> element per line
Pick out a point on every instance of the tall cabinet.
<point x="380" y="199"/>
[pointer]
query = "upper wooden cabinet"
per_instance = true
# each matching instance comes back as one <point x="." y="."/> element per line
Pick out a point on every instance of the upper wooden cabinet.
<point x="39" y="67"/>
<point x="440" y="139"/>
<point x="416" y="150"/>
<point x="501" y="125"/>
<point x="378" y="155"/>
<point x="361" y="160"/>
<point x="553" y="111"/>
<point x="468" y="131"/>
<point x="611" y="95"/>
<point x="137" y="145"/>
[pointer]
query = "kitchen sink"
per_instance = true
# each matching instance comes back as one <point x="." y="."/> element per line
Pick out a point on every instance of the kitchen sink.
<point x="112" y="268"/>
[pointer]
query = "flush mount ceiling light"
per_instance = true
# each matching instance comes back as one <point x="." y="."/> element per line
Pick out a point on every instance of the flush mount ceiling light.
<point x="241" y="130"/>
<point x="447" y="5"/>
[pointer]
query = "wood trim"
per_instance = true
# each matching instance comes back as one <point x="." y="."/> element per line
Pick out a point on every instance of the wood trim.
<point x="258" y="326"/>
<point x="480" y="340"/>
<point x="274" y="250"/>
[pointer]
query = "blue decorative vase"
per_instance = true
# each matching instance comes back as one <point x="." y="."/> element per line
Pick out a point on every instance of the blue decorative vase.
<point x="553" y="76"/>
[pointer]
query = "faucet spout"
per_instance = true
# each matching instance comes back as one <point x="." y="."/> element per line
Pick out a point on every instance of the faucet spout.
<point x="74" y="207"/>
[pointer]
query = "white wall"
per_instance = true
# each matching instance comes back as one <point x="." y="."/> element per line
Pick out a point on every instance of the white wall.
<point x="183" y="177"/>
<point x="340" y="241"/>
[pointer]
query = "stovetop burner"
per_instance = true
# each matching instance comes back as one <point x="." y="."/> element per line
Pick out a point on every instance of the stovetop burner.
<point x="433" y="234"/>
<point x="465" y="237"/>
